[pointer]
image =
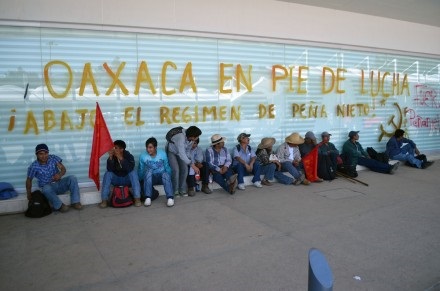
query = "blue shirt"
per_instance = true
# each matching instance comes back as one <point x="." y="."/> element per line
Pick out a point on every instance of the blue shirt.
<point x="158" y="164"/>
<point x="44" y="172"/>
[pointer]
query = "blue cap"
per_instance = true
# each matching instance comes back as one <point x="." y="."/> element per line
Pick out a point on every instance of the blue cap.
<point x="41" y="147"/>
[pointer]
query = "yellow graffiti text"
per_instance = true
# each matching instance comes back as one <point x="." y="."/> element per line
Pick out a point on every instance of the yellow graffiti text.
<point x="311" y="110"/>
<point x="352" y="110"/>
<point x="196" y="114"/>
<point x="288" y="73"/>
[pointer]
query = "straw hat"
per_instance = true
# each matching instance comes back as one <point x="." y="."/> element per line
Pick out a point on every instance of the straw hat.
<point x="266" y="142"/>
<point x="217" y="138"/>
<point x="295" y="138"/>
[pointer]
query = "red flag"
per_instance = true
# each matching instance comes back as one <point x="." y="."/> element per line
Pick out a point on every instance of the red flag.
<point x="102" y="143"/>
<point x="310" y="162"/>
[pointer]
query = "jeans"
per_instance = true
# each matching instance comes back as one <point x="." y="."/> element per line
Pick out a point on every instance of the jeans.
<point x="240" y="169"/>
<point x="287" y="166"/>
<point x="180" y="171"/>
<point x="407" y="154"/>
<point x="268" y="171"/>
<point x="151" y="179"/>
<point x="52" y="190"/>
<point x="111" y="178"/>
<point x="283" y="179"/>
<point x="222" y="179"/>
<point x="374" y="165"/>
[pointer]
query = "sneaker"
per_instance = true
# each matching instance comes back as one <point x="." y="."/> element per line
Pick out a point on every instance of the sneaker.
<point x="258" y="184"/>
<point x="183" y="194"/>
<point x="266" y="182"/>
<point x="394" y="168"/>
<point x="206" y="190"/>
<point x="170" y="202"/>
<point x="77" y="206"/>
<point x="137" y="202"/>
<point x="147" y="202"/>
<point x="306" y="182"/>
<point x="176" y="194"/>
<point x="241" y="186"/>
<point x="103" y="204"/>
<point x="319" y="180"/>
<point x="426" y="164"/>
<point x="191" y="192"/>
<point x="64" y="208"/>
<point x="297" y="182"/>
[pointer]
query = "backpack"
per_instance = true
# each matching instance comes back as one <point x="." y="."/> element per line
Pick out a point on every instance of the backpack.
<point x="172" y="132"/>
<point x="7" y="191"/>
<point x="121" y="197"/>
<point x="325" y="168"/>
<point x="38" y="206"/>
<point x="381" y="157"/>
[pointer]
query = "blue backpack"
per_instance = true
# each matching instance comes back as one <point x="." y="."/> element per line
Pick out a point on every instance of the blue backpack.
<point x="7" y="191"/>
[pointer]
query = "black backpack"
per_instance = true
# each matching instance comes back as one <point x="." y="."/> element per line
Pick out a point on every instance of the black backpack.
<point x="38" y="206"/>
<point x="172" y="132"/>
<point x="325" y="168"/>
<point x="121" y="197"/>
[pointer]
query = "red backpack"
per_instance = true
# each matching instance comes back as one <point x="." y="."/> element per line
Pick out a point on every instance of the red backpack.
<point x="121" y="197"/>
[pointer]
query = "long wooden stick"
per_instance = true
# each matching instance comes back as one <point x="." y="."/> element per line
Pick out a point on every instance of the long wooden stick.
<point x="351" y="178"/>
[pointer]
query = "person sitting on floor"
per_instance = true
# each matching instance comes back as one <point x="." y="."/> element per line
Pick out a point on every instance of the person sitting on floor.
<point x="154" y="169"/>
<point x="304" y="149"/>
<point x="219" y="162"/>
<point x="354" y="154"/>
<point x="120" y="172"/>
<point x="245" y="162"/>
<point x="197" y="158"/>
<point x="327" y="157"/>
<point x="406" y="153"/>
<point x="270" y="164"/>
<point x="290" y="158"/>
<point x="49" y="171"/>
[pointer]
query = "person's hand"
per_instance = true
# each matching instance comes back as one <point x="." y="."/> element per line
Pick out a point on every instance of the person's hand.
<point x="111" y="153"/>
<point x="248" y="168"/>
<point x="56" y="177"/>
<point x="278" y="165"/>
<point x="196" y="170"/>
<point x="296" y="163"/>
<point x="29" y="196"/>
<point x="199" y="165"/>
<point x="223" y="170"/>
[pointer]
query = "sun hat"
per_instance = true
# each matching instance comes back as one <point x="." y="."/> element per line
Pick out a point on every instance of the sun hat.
<point x="217" y="138"/>
<point x="294" y="138"/>
<point x="266" y="142"/>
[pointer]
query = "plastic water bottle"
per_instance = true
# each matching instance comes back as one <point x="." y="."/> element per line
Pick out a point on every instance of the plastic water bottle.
<point x="210" y="178"/>
<point x="198" y="187"/>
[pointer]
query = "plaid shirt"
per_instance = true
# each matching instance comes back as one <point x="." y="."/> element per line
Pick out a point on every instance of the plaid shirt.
<point x="44" y="172"/>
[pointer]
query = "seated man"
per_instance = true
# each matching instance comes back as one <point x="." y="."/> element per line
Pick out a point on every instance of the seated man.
<point x="270" y="164"/>
<point x="219" y="162"/>
<point x="354" y="154"/>
<point x="245" y="162"/>
<point x="49" y="171"/>
<point x="396" y="151"/>
<point x="120" y="172"/>
<point x="290" y="158"/>
<point x="327" y="157"/>
<point x="154" y="169"/>
<point x="197" y="158"/>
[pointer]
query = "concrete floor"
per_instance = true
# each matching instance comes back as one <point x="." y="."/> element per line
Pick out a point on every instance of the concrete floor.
<point x="382" y="237"/>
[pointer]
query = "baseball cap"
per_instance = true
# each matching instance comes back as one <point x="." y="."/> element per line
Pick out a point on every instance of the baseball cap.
<point x="325" y="133"/>
<point x="242" y="135"/>
<point x="352" y="133"/>
<point x="41" y="147"/>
